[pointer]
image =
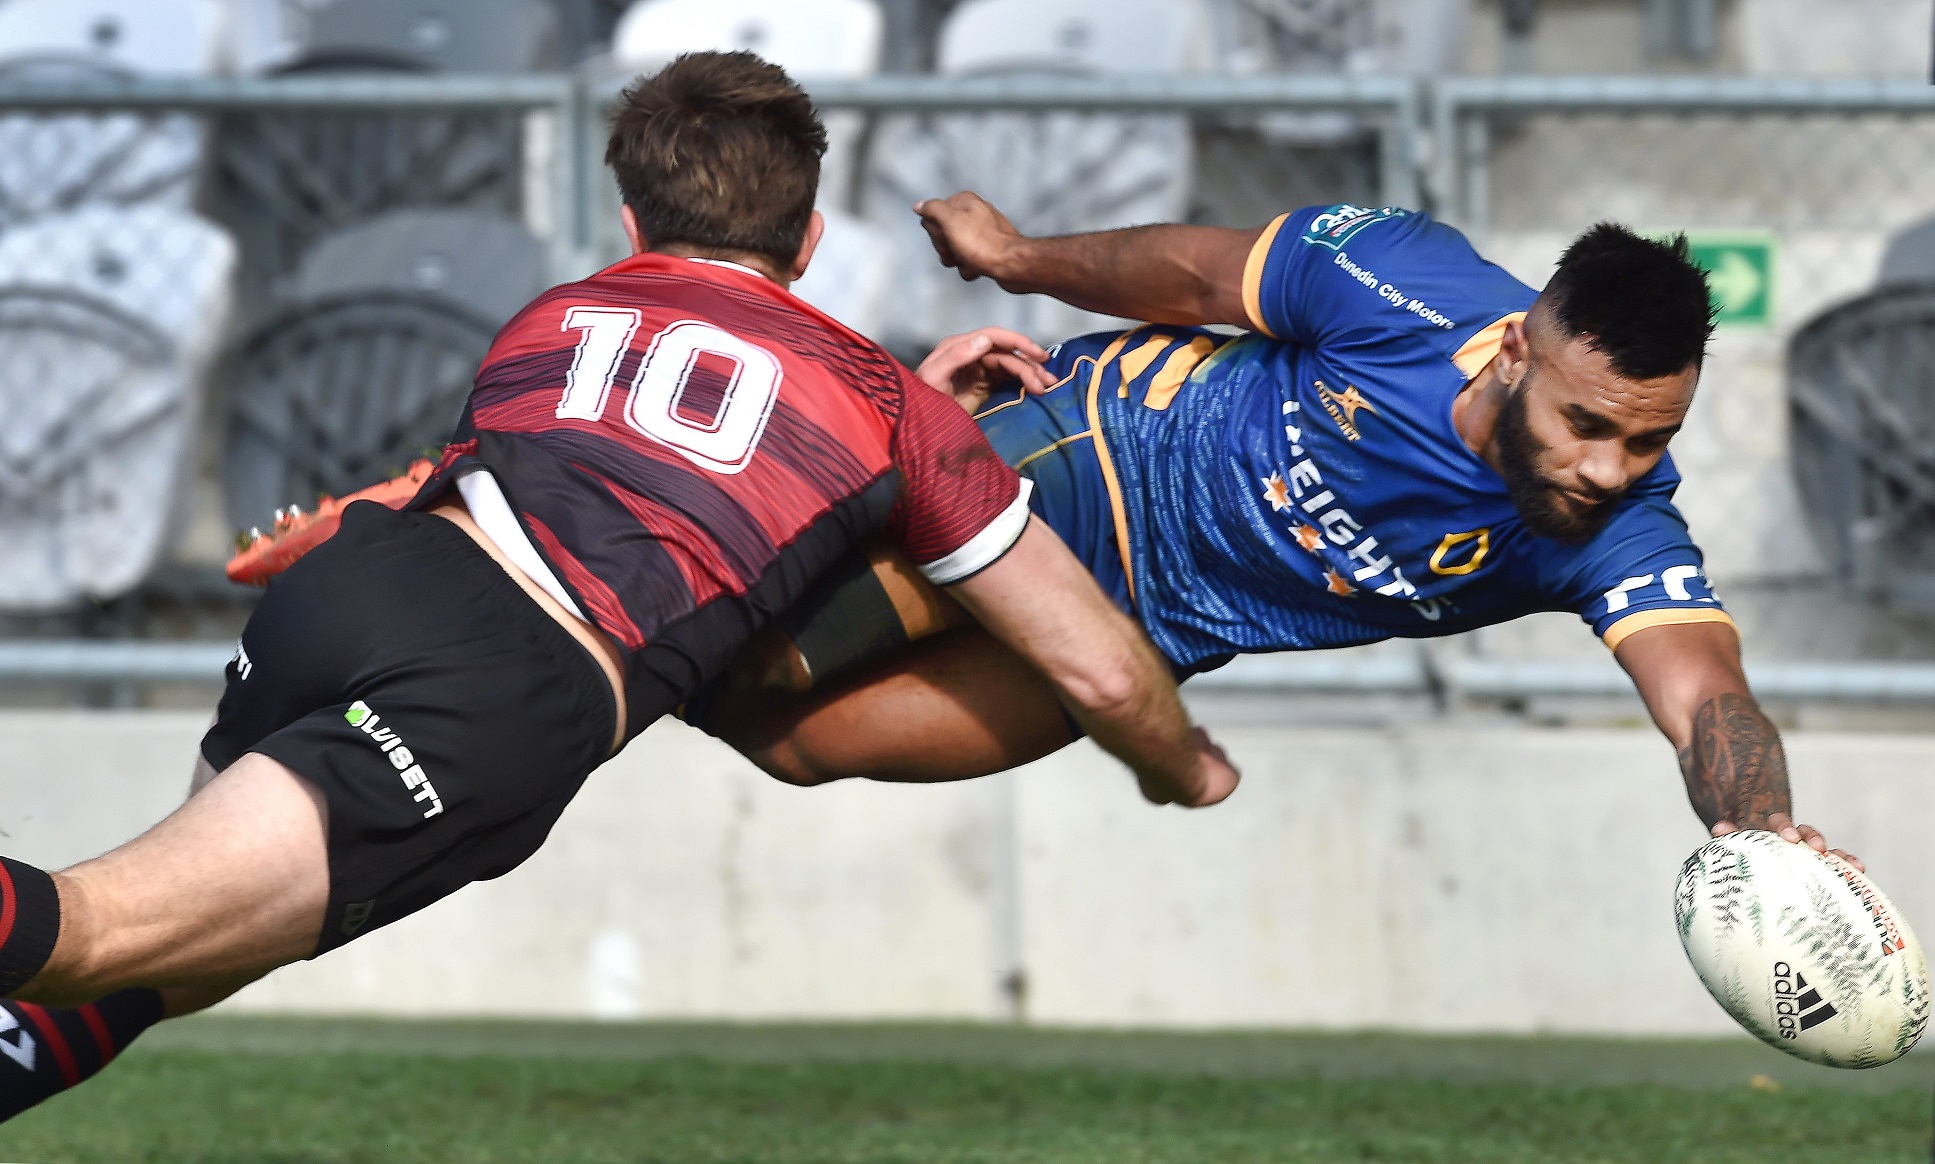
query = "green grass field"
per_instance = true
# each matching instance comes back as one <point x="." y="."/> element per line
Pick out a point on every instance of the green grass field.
<point x="311" y="1091"/>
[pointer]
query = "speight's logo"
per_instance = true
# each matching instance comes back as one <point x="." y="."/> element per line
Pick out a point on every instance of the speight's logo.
<point x="1343" y="407"/>
<point x="1334" y="227"/>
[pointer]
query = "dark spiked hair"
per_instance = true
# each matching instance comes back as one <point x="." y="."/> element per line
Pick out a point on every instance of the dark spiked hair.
<point x="721" y="151"/>
<point x="1640" y="302"/>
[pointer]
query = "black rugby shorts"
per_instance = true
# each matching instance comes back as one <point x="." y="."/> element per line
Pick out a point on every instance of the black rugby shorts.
<point x="446" y="718"/>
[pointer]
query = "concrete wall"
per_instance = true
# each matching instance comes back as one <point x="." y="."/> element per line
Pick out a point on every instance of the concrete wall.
<point x="1434" y="878"/>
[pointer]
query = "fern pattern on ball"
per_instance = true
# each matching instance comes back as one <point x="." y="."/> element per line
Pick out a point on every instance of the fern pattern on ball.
<point x="1916" y="1002"/>
<point x="1727" y="885"/>
<point x="1846" y="954"/>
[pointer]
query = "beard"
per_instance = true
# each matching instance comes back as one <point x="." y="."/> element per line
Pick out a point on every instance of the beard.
<point x="1540" y="501"/>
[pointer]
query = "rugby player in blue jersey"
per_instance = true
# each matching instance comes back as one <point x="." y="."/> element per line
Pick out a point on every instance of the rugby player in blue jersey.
<point x="1405" y="441"/>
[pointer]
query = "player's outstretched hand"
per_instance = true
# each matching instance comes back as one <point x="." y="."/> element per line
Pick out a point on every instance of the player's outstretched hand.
<point x="1784" y="827"/>
<point x="1210" y="780"/>
<point x="969" y="234"/>
<point x="969" y="366"/>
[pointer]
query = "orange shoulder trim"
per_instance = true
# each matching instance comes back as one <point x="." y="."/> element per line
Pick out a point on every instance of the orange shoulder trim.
<point x="1632" y="624"/>
<point x="1480" y="348"/>
<point x="1253" y="275"/>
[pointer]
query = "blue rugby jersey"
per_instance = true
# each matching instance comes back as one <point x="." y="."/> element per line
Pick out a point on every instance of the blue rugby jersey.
<point x="1303" y="487"/>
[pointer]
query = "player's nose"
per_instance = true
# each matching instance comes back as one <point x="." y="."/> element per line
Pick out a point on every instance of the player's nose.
<point x="1606" y="470"/>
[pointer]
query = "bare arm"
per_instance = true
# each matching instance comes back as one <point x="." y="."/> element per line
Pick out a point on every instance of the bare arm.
<point x="1041" y="602"/>
<point x="1730" y="753"/>
<point x="1164" y="274"/>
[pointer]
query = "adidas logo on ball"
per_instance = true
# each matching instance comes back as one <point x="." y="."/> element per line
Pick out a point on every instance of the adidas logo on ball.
<point x="1797" y="1006"/>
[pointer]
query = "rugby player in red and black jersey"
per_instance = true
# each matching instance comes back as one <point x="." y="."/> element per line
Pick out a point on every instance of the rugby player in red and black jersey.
<point x="654" y="463"/>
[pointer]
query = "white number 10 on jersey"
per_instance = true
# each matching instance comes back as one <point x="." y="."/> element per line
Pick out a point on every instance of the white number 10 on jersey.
<point x="725" y="443"/>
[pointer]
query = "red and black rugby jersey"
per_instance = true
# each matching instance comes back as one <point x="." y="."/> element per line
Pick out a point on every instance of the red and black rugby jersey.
<point x="689" y="446"/>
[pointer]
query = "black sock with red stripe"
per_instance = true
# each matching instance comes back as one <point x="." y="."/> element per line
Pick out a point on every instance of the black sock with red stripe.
<point x="29" y="922"/>
<point x="46" y="1050"/>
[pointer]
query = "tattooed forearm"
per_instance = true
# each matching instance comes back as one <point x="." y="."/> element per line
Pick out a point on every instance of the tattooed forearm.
<point x="1734" y="767"/>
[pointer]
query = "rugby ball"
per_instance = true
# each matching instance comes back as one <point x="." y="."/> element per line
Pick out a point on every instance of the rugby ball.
<point x="1802" y="950"/>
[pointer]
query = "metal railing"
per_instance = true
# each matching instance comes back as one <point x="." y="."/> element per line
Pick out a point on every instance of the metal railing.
<point x="1446" y="677"/>
<point x="558" y="94"/>
<point x="1435" y="136"/>
<point x="1452" y="678"/>
<point x="1390" y="107"/>
<point x="113" y="661"/>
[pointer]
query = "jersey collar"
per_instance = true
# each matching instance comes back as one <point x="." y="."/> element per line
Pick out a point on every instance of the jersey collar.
<point x="730" y="264"/>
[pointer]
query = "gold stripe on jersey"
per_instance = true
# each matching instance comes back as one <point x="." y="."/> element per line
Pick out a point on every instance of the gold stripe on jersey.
<point x="1632" y="624"/>
<point x="1114" y="483"/>
<point x="1175" y="370"/>
<point x="1137" y="362"/>
<point x="1253" y="275"/>
<point x="1038" y="454"/>
<point x="1022" y="394"/>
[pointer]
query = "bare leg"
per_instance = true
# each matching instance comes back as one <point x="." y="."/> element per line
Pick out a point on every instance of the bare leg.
<point x="951" y="707"/>
<point x="186" y="1000"/>
<point x="204" y="775"/>
<point x="230" y="886"/>
<point x="233" y="884"/>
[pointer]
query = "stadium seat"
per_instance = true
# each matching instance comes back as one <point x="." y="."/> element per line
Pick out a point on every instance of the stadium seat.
<point x="281" y="180"/>
<point x="55" y="162"/>
<point x="1052" y="173"/>
<point x="171" y="270"/>
<point x="486" y="263"/>
<point x="1861" y="389"/>
<point x="1910" y="257"/>
<point x="369" y="355"/>
<point x="108" y="318"/>
<point x="1407" y="37"/>
<point x="585" y="27"/>
<point x="1078" y="36"/>
<point x="807" y="38"/>
<point x="332" y="395"/>
<point x="457" y="36"/>
<point x="135" y="36"/>
<point x="1412" y="37"/>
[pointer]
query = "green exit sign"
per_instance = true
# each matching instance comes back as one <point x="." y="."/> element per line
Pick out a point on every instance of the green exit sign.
<point x="1740" y="275"/>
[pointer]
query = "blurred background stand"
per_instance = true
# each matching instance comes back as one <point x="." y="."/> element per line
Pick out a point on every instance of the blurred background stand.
<point x="368" y="360"/>
<point x="1052" y="172"/>
<point x="282" y="180"/>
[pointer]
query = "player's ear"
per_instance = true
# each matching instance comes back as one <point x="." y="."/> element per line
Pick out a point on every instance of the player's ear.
<point x="815" y="229"/>
<point x="632" y="233"/>
<point x="1514" y="352"/>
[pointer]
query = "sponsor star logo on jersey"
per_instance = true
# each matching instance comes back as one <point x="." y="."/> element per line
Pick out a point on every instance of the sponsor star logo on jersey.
<point x="1308" y="538"/>
<point x="1343" y="407"/>
<point x="1334" y="227"/>
<point x="1337" y="585"/>
<point x="1276" y="491"/>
